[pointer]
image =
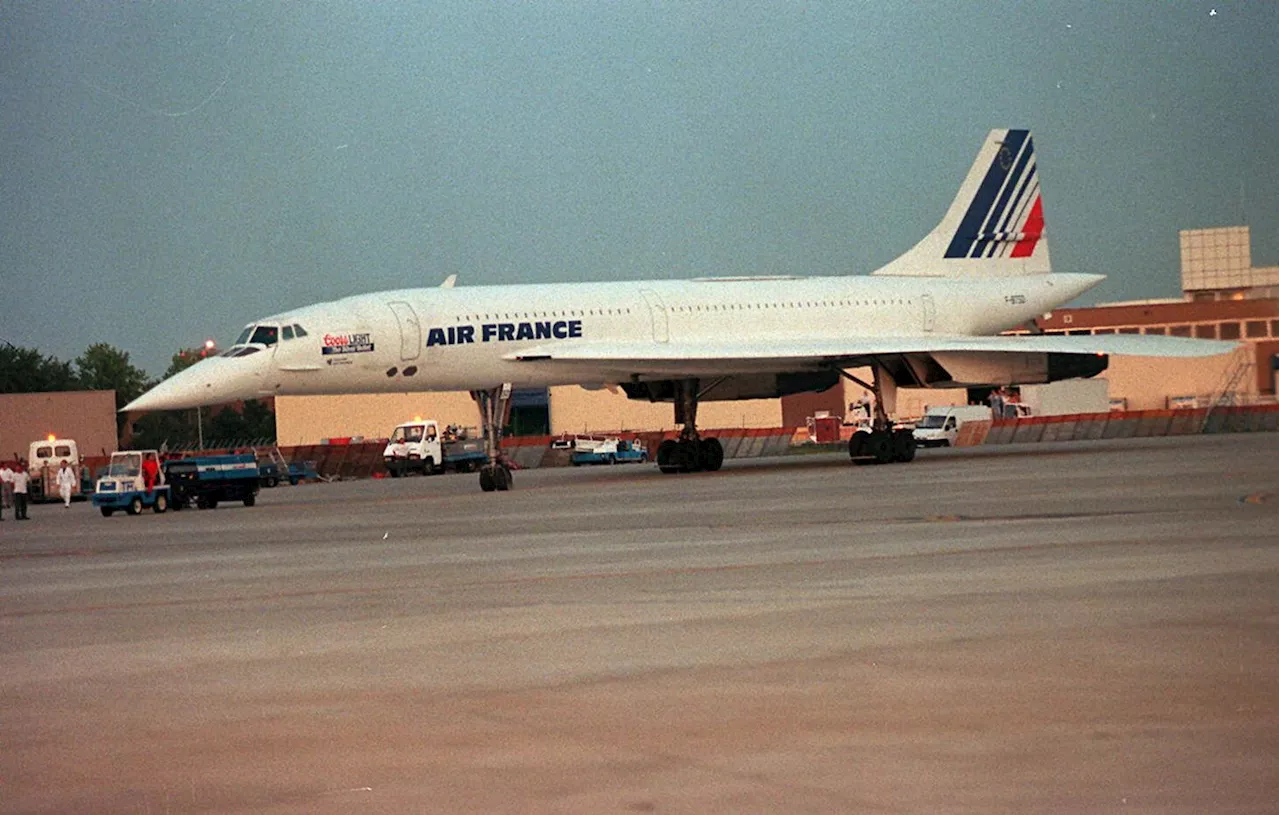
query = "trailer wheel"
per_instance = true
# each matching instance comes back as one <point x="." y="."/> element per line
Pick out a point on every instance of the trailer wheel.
<point x="106" y="511"/>
<point x="250" y="500"/>
<point x="161" y="504"/>
<point x="135" y="506"/>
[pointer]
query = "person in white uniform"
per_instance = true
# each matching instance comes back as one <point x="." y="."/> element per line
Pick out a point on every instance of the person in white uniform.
<point x="66" y="483"/>
<point x="6" y="488"/>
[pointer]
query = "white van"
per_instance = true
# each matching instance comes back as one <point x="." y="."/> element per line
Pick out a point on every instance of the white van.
<point x="940" y="425"/>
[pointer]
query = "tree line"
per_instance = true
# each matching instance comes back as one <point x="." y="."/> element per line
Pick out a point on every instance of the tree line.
<point x="104" y="367"/>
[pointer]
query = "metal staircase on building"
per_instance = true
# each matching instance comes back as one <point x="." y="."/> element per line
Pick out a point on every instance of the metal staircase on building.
<point x="1228" y="391"/>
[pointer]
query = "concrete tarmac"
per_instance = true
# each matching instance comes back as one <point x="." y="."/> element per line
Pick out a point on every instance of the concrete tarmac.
<point x="1072" y="628"/>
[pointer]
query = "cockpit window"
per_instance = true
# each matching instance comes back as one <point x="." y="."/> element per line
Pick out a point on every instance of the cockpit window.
<point x="244" y="336"/>
<point x="247" y="350"/>
<point x="286" y="333"/>
<point x="298" y="331"/>
<point x="265" y="335"/>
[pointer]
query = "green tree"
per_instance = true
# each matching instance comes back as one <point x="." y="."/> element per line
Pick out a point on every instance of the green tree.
<point x="26" y="370"/>
<point x="185" y="358"/>
<point x="254" y="421"/>
<point x="104" y="368"/>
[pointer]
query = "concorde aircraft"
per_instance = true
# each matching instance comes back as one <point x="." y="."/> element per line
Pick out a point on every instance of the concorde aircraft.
<point x="930" y="318"/>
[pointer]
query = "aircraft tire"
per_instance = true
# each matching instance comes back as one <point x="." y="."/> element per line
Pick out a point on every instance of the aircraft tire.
<point x="904" y="446"/>
<point x="668" y="462"/>
<point x="486" y="478"/>
<point x="502" y="479"/>
<point x="710" y="455"/>
<point x="880" y="447"/>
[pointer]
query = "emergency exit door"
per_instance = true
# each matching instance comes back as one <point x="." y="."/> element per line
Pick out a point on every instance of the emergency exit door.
<point x="929" y="312"/>
<point x="410" y="330"/>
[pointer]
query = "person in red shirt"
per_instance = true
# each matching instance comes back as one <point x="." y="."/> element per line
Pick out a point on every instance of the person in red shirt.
<point x="150" y="472"/>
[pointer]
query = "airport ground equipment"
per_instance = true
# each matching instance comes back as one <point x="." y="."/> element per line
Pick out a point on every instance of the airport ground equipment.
<point x="204" y="481"/>
<point x="607" y="451"/>
<point x="421" y="446"/>
<point x="940" y="425"/>
<point x="44" y="459"/>
<point x="123" y="486"/>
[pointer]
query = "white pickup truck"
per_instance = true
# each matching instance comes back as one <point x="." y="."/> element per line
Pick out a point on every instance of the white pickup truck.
<point x="422" y="447"/>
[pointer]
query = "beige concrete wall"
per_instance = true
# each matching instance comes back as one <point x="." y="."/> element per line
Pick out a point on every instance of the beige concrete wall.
<point x="1145" y="383"/>
<point x="578" y="410"/>
<point x="89" y="417"/>
<point x="308" y="419"/>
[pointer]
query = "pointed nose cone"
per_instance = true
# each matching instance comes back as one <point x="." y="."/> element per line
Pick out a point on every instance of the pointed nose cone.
<point x="208" y="382"/>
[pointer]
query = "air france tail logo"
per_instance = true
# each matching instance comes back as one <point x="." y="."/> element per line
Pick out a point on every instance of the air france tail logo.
<point x="1005" y="218"/>
<point x="505" y="332"/>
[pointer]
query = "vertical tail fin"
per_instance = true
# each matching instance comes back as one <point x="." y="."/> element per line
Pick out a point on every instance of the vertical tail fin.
<point x="995" y="225"/>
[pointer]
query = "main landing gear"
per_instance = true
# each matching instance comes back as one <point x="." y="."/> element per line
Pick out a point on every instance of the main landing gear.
<point x="690" y="453"/>
<point x="880" y="443"/>
<point x="493" y="405"/>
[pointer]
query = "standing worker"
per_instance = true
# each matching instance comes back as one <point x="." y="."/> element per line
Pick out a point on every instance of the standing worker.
<point x="66" y="481"/>
<point x="20" y="484"/>
<point x="150" y="471"/>
<point x="6" y="487"/>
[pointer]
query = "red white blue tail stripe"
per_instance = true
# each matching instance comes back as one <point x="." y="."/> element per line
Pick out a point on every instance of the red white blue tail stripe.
<point x="1005" y="218"/>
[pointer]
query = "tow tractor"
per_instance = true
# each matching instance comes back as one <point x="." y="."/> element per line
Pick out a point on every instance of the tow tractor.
<point x="123" y="486"/>
<point x="607" y="451"/>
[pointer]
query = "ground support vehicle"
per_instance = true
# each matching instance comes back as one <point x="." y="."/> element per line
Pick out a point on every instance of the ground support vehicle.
<point x="203" y="481"/>
<point x="44" y="459"/>
<point x="421" y="447"/>
<point x="124" y="485"/>
<point x="940" y="425"/>
<point x="607" y="451"/>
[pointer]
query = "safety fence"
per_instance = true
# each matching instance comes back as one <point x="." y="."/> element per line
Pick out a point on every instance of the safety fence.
<point x="1120" y="425"/>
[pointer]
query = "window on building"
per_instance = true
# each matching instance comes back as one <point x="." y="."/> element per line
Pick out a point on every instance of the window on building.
<point x="1104" y="331"/>
<point x="1229" y="331"/>
<point x="1274" y="325"/>
<point x="1180" y="330"/>
<point x="1255" y="328"/>
<point x="1078" y="332"/>
<point x="1130" y="330"/>
<point x="1207" y="331"/>
<point x="1155" y="329"/>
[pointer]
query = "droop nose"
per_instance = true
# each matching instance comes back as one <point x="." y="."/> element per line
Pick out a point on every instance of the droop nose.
<point x="209" y="382"/>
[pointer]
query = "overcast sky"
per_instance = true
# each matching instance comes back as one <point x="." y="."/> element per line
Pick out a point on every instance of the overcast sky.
<point x="171" y="171"/>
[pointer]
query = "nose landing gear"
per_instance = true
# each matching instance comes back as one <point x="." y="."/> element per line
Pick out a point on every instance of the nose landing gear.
<point x="493" y="405"/>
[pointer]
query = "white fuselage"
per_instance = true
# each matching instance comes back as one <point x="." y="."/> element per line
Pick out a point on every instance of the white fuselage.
<point x="463" y="336"/>
<point x="450" y="339"/>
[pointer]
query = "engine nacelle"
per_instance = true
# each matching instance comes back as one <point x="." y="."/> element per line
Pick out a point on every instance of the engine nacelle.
<point x="970" y="369"/>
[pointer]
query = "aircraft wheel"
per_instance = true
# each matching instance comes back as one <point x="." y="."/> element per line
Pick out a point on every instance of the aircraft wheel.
<point x="904" y="446"/>
<point x="687" y="456"/>
<point x="668" y="462"/>
<point x="161" y="504"/>
<point x="486" y="479"/>
<point x="710" y="454"/>
<point x="135" y="506"/>
<point x="502" y="478"/>
<point x="106" y="511"/>
<point x="858" y="448"/>
<point x="880" y="447"/>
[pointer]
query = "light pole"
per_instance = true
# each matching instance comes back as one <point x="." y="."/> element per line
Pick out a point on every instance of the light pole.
<point x="209" y="348"/>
